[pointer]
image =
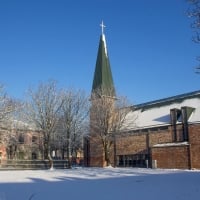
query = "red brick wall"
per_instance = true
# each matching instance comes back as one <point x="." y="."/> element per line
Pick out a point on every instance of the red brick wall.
<point x="164" y="136"/>
<point x="194" y="139"/>
<point x="3" y="152"/>
<point x="140" y="142"/>
<point x="173" y="157"/>
<point x="96" y="152"/>
<point x="131" y="144"/>
<point x="182" y="157"/>
<point x="128" y="144"/>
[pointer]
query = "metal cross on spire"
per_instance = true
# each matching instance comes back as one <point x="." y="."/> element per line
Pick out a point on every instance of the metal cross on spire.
<point x="102" y="27"/>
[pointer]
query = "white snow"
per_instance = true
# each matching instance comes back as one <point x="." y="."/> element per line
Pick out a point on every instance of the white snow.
<point x="171" y="144"/>
<point x="100" y="184"/>
<point x="160" y="116"/>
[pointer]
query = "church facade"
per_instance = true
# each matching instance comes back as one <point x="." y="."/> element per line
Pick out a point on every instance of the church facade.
<point x="160" y="134"/>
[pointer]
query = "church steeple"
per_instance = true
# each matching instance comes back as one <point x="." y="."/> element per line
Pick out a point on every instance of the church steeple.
<point x="103" y="80"/>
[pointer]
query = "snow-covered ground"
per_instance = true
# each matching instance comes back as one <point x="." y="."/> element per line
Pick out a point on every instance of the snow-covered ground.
<point x="100" y="184"/>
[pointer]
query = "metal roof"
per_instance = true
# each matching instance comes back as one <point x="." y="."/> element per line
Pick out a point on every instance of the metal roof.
<point x="157" y="113"/>
<point x="103" y="76"/>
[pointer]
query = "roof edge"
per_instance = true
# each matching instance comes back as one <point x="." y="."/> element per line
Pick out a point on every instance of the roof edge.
<point x="168" y="100"/>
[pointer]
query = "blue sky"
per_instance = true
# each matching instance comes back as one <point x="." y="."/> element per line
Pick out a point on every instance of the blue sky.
<point x="149" y="45"/>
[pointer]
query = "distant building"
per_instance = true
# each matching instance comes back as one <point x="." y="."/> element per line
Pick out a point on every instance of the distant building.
<point x="20" y="142"/>
<point x="22" y="146"/>
<point x="163" y="133"/>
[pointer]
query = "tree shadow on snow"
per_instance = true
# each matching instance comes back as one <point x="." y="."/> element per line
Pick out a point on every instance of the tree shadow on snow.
<point x="106" y="184"/>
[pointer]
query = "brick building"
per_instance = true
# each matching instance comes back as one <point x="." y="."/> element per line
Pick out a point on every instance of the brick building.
<point x="164" y="133"/>
<point x="19" y="141"/>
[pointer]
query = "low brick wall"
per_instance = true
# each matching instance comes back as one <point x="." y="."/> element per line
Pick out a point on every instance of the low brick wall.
<point x="32" y="164"/>
<point x="171" y="157"/>
<point x="194" y="138"/>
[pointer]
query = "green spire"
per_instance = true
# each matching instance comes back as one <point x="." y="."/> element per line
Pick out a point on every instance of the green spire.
<point x="103" y="80"/>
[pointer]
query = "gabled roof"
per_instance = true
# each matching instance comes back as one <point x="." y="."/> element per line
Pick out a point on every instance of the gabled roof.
<point x="157" y="113"/>
<point x="103" y="80"/>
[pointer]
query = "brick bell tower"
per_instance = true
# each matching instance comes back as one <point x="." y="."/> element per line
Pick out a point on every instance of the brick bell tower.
<point x="102" y="87"/>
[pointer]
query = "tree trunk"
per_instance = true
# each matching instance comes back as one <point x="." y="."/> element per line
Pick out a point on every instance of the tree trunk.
<point x="107" y="155"/>
<point x="50" y="161"/>
<point x="48" y="154"/>
<point x="63" y="152"/>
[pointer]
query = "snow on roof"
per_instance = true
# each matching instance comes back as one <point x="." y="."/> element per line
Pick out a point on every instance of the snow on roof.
<point x="172" y="144"/>
<point x="22" y="125"/>
<point x="157" y="113"/>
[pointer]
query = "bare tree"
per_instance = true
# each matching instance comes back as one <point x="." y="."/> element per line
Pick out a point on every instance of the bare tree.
<point x="194" y="13"/>
<point x="74" y="117"/>
<point x="43" y="111"/>
<point x="107" y="118"/>
<point x="8" y="106"/>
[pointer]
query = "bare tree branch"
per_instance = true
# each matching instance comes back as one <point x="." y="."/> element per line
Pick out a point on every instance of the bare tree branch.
<point x="8" y="108"/>
<point x="107" y="116"/>
<point x="194" y="14"/>
<point x="74" y="119"/>
<point x="43" y="111"/>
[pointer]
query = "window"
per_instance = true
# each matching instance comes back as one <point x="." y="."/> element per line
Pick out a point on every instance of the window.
<point x="34" y="156"/>
<point x="134" y="160"/>
<point x="21" y="155"/>
<point x="34" y="139"/>
<point x="21" y="139"/>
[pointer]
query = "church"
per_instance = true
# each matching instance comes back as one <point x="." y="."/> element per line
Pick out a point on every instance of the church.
<point x="164" y="133"/>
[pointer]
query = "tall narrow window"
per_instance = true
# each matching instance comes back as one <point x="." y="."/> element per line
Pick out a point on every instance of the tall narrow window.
<point x="186" y="113"/>
<point x="21" y="139"/>
<point x="174" y="114"/>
